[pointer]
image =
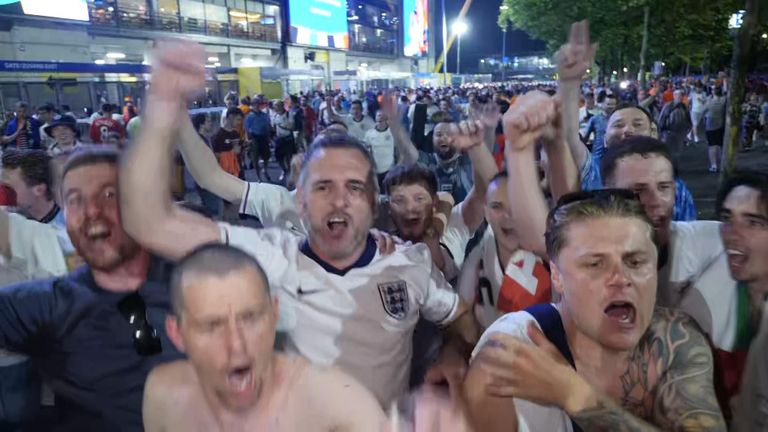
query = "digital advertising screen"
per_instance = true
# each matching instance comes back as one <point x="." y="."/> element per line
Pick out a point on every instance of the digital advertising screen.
<point x="321" y="23"/>
<point x="415" y="28"/>
<point x="64" y="9"/>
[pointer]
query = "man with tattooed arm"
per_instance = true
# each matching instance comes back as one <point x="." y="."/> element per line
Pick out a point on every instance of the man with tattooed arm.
<point x="602" y="358"/>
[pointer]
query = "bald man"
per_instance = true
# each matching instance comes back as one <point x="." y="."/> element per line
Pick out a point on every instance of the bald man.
<point x="224" y="320"/>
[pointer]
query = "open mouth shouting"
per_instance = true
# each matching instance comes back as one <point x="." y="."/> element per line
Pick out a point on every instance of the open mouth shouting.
<point x="97" y="232"/>
<point x="240" y="380"/>
<point x="337" y="225"/>
<point x="621" y="313"/>
<point x="737" y="259"/>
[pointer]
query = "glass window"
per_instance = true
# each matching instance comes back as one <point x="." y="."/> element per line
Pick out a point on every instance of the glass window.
<point x="270" y="23"/>
<point x="134" y="13"/>
<point x="167" y="15"/>
<point x="217" y="18"/>
<point x="103" y="11"/>
<point x="192" y="16"/>
<point x="364" y="38"/>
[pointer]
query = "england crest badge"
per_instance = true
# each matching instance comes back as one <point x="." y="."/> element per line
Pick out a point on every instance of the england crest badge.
<point x="394" y="298"/>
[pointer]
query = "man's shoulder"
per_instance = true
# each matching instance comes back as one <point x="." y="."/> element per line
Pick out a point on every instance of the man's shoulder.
<point x="676" y="330"/>
<point x="168" y="377"/>
<point x="413" y="253"/>
<point x="685" y="231"/>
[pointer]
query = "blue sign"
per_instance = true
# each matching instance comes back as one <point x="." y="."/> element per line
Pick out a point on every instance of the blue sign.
<point x="61" y="67"/>
<point x="505" y="60"/>
<point x="321" y="23"/>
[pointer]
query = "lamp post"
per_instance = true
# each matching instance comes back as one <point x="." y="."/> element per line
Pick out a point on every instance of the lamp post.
<point x="459" y="28"/>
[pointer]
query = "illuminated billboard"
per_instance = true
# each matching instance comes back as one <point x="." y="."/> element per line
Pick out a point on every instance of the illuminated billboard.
<point x="64" y="9"/>
<point x="321" y="23"/>
<point x="415" y="28"/>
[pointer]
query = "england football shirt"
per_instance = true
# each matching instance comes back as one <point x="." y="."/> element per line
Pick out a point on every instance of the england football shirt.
<point x="275" y="206"/>
<point x="360" y="319"/>
<point x="493" y="291"/>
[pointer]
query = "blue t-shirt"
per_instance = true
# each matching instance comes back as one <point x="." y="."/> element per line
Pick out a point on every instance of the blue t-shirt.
<point x="685" y="209"/>
<point x="454" y="177"/>
<point x="257" y="123"/>
<point x="597" y="124"/>
<point x="83" y="346"/>
<point x="29" y="138"/>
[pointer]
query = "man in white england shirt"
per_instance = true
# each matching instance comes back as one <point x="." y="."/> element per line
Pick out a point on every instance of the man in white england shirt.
<point x="382" y="145"/>
<point x="343" y="303"/>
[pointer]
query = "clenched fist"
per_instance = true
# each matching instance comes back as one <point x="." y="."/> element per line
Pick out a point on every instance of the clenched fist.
<point x="178" y="69"/>
<point x="527" y="119"/>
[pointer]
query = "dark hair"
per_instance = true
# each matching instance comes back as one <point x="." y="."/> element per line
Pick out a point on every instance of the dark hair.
<point x="638" y="144"/>
<point x="234" y="111"/>
<point x="198" y="120"/>
<point x="410" y="174"/>
<point x="611" y="96"/>
<point x="337" y="140"/>
<point x="752" y="179"/>
<point x="213" y="259"/>
<point x="245" y="100"/>
<point x="47" y="107"/>
<point x="357" y="102"/>
<point x="627" y="105"/>
<point x="35" y="166"/>
<point x="107" y="107"/>
<point x="90" y="155"/>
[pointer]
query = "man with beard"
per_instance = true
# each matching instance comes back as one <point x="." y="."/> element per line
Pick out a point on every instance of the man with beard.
<point x="452" y="167"/>
<point x="224" y="320"/>
<point x="573" y="59"/>
<point x="96" y="332"/>
<point x="331" y="312"/>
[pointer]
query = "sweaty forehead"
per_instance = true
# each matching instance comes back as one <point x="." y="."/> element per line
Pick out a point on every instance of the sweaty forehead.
<point x="630" y="115"/>
<point x="747" y="200"/>
<point x="497" y="191"/>
<point x="334" y="163"/>
<point x="647" y="169"/>
<point x="86" y="176"/>
<point x="609" y="234"/>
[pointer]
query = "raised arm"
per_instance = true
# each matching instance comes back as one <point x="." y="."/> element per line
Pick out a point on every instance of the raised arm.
<point x="406" y="149"/>
<point x="204" y="167"/>
<point x="562" y="173"/>
<point x="470" y="139"/>
<point x="524" y="123"/>
<point x="573" y="60"/>
<point x="148" y="213"/>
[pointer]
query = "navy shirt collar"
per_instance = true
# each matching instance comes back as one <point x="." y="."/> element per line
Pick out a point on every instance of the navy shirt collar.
<point x="364" y="260"/>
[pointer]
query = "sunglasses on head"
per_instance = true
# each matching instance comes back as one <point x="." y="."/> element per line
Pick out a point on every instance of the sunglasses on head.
<point x="146" y="342"/>
<point x="600" y="195"/>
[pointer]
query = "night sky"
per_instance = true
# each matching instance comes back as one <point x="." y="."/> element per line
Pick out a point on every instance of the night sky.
<point x="484" y="37"/>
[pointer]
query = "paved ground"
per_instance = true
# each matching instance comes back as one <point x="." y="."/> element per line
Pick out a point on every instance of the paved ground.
<point x="703" y="184"/>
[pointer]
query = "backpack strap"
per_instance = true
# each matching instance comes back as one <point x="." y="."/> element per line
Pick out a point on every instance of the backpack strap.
<point x="551" y="325"/>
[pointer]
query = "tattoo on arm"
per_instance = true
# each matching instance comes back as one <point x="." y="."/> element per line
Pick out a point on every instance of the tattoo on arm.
<point x="668" y="382"/>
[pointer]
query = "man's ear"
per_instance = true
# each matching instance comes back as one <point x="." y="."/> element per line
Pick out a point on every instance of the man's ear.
<point x="40" y="190"/>
<point x="557" y="278"/>
<point x="172" y="328"/>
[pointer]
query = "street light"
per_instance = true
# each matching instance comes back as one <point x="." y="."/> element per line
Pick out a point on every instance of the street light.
<point x="459" y="28"/>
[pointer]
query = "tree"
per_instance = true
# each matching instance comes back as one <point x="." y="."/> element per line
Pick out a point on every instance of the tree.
<point x="685" y="33"/>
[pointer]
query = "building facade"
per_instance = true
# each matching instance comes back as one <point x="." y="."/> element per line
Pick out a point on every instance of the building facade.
<point x="238" y="35"/>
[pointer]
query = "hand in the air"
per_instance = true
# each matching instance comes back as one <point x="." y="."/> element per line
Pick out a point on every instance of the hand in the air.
<point x="527" y="119"/>
<point x="536" y="372"/>
<point x="575" y="57"/>
<point x="467" y="134"/>
<point x="178" y="69"/>
<point x="488" y="114"/>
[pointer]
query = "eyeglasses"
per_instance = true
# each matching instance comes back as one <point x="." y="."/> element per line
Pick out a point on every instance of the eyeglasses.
<point x="599" y="195"/>
<point x="146" y="342"/>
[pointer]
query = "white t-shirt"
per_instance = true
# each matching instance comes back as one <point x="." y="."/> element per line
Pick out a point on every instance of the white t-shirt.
<point x="275" y="206"/>
<point x="358" y="129"/>
<point x="482" y="267"/>
<point x="530" y="416"/>
<point x="700" y="282"/>
<point x="362" y="319"/>
<point x="382" y="146"/>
